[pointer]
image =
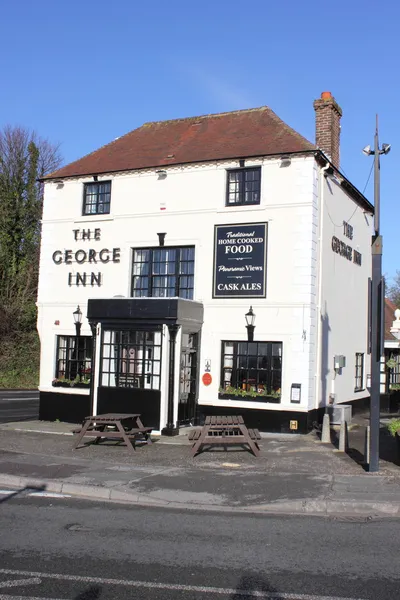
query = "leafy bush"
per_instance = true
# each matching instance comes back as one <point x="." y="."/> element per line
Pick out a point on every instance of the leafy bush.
<point x="393" y="426"/>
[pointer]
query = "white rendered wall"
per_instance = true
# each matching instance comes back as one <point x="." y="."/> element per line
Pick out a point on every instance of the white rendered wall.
<point x="343" y="311"/>
<point x="186" y="205"/>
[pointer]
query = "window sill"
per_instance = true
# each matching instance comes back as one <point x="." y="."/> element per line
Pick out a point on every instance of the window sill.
<point x="262" y="399"/>
<point x="359" y="390"/>
<point x="68" y="391"/>
<point x="68" y="385"/>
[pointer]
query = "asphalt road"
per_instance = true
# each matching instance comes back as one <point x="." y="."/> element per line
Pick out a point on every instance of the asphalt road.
<point x="18" y="405"/>
<point x="58" y="548"/>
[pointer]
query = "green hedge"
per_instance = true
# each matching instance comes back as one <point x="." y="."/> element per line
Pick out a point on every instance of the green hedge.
<point x="19" y="361"/>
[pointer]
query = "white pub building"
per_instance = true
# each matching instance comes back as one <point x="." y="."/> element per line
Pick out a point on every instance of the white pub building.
<point x="208" y="265"/>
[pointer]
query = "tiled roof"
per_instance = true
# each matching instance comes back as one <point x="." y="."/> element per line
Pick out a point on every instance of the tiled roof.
<point x="239" y="134"/>
<point x="389" y="318"/>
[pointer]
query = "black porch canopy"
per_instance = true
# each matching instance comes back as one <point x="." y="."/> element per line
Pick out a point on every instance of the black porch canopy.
<point x="143" y="312"/>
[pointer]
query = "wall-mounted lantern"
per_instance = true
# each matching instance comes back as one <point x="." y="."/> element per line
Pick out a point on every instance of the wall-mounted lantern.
<point x="250" y="320"/>
<point x="77" y="314"/>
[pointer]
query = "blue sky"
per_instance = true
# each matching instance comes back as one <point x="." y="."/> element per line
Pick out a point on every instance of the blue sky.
<point x="84" y="72"/>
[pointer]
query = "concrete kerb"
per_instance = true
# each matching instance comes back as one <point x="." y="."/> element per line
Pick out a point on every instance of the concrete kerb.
<point x="306" y="507"/>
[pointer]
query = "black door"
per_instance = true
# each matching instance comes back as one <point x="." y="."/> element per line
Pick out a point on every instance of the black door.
<point x="188" y="379"/>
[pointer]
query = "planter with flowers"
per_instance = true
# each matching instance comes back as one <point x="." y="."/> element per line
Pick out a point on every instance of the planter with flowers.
<point x="259" y="395"/>
<point x="82" y="382"/>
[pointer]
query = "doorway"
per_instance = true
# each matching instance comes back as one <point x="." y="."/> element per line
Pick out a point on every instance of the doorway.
<point x="188" y="379"/>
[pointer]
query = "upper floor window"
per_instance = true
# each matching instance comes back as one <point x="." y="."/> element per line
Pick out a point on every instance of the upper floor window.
<point x="359" y="372"/>
<point x="163" y="272"/>
<point x="96" y="198"/>
<point x="243" y="186"/>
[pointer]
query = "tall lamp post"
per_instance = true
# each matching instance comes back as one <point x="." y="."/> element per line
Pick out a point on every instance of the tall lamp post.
<point x="376" y="299"/>
<point x="77" y="314"/>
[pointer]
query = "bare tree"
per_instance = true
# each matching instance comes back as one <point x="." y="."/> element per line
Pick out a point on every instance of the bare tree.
<point x="394" y="290"/>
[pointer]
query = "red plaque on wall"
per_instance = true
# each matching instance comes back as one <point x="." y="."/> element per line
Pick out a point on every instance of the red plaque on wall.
<point x="207" y="379"/>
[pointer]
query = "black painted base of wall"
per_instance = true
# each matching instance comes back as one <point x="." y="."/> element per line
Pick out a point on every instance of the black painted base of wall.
<point x="70" y="408"/>
<point x="264" y="420"/>
<point x="359" y="406"/>
<point x="274" y="420"/>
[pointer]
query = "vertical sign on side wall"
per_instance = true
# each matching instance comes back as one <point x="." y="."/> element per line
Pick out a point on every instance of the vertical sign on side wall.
<point x="240" y="261"/>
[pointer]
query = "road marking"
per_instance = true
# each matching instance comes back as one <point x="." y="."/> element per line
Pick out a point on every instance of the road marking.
<point x="20" y="398"/>
<point x="35" y="494"/>
<point x="48" y="495"/>
<point x="17" y="582"/>
<point x="173" y="586"/>
<point x="7" y="597"/>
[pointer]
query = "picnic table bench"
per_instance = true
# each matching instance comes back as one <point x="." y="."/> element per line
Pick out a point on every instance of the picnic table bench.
<point x="126" y="427"/>
<point x="223" y="430"/>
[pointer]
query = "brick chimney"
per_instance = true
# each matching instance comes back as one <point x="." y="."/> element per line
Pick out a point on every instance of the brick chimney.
<point x="327" y="126"/>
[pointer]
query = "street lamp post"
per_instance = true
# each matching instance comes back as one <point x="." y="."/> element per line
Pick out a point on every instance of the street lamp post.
<point x="77" y="314"/>
<point x="376" y="299"/>
<point x="250" y="320"/>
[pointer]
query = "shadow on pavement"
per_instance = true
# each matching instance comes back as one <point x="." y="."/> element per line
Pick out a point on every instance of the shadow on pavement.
<point x="92" y="593"/>
<point x="29" y="488"/>
<point x="254" y="585"/>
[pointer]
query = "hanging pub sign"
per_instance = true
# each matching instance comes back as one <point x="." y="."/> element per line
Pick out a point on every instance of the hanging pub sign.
<point x="240" y="253"/>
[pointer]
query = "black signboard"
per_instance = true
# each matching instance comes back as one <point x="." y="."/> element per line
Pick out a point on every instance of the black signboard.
<point x="240" y="253"/>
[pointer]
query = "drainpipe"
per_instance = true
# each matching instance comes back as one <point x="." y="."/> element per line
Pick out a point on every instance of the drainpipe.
<point x="319" y="307"/>
<point x="170" y="428"/>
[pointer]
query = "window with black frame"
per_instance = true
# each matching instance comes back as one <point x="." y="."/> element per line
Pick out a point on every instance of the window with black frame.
<point x="97" y="198"/>
<point x="131" y="359"/>
<point x="74" y="357"/>
<point x="359" y="382"/>
<point x="251" y="371"/>
<point x="163" y="272"/>
<point x="243" y="186"/>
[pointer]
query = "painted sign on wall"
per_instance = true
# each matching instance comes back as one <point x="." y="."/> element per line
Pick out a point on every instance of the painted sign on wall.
<point x="90" y="255"/>
<point x="240" y="253"/>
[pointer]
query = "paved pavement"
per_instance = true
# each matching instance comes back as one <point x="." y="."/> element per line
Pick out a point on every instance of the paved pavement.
<point x="18" y="405"/>
<point x="59" y="548"/>
<point x="294" y="474"/>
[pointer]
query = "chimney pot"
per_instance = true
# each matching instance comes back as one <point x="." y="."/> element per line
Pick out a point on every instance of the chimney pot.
<point x="326" y="95"/>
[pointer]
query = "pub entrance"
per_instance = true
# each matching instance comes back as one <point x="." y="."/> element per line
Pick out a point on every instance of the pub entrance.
<point x="135" y="341"/>
<point x="188" y="382"/>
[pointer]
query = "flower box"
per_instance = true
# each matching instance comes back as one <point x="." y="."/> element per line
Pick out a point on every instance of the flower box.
<point x="248" y="396"/>
<point x="66" y="383"/>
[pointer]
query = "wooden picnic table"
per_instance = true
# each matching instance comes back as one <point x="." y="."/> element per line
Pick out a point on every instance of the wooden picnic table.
<point x="127" y="427"/>
<point x="223" y="430"/>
